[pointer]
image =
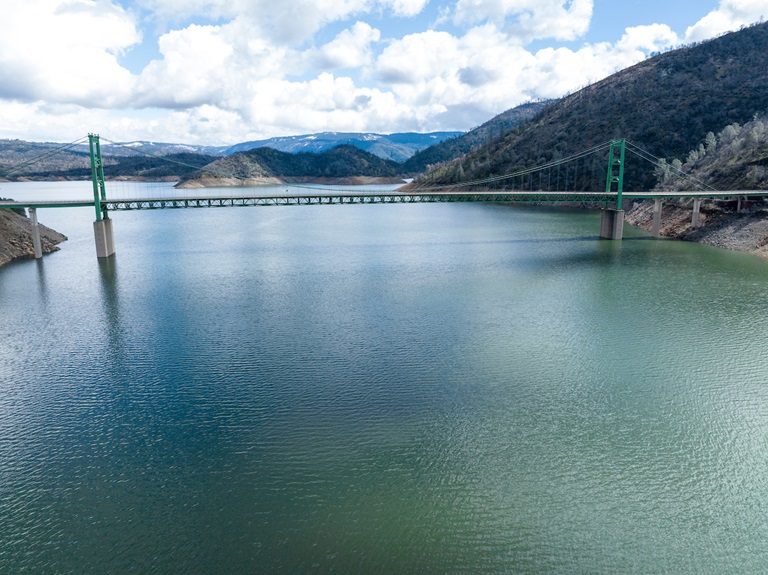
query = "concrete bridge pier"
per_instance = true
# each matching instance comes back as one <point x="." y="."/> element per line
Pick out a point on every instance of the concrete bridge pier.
<point x="105" y="239"/>
<point x="36" y="244"/>
<point x="696" y="212"/>
<point x="612" y="224"/>
<point x="657" y="206"/>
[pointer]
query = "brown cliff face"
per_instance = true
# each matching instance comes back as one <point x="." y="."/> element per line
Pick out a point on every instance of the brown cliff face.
<point x="16" y="237"/>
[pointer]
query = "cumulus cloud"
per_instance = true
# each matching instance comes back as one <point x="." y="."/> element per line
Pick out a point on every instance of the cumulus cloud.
<point x="417" y="57"/>
<point x="284" y="23"/>
<point x="483" y="72"/>
<point x="641" y="40"/>
<point x="730" y="15"/>
<point x="350" y="49"/>
<point x="528" y="20"/>
<point x="192" y="70"/>
<point x="324" y="103"/>
<point x="69" y="54"/>
<point x="248" y="69"/>
<point x="406" y="8"/>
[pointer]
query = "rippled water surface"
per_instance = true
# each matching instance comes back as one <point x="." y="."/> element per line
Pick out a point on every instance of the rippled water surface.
<point x="454" y="388"/>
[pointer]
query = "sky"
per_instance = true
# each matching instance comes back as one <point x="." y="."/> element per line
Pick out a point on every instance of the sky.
<point x="219" y="72"/>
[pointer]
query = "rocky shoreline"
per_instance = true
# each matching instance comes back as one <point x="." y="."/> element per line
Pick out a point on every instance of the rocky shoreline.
<point x="16" y="237"/>
<point x="720" y="224"/>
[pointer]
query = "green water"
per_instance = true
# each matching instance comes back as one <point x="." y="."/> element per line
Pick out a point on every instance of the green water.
<point x="381" y="389"/>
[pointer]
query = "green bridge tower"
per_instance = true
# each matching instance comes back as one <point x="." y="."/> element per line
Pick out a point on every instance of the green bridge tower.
<point x="612" y="220"/>
<point x="102" y="227"/>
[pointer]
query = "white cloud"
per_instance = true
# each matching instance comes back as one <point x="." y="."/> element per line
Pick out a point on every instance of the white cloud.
<point x="350" y="49"/>
<point x="289" y="20"/>
<point x="257" y="68"/>
<point x="419" y="56"/>
<point x="730" y="15"/>
<point x="286" y="23"/>
<point x="40" y="121"/>
<point x="405" y="8"/>
<point x="222" y="86"/>
<point x="323" y="104"/>
<point x="204" y="124"/>
<point x="484" y="72"/>
<point x="192" y="71"/>
<point x="646" y="39"/>
<point x="68" y="54"/>
<point x="528" y="20"/>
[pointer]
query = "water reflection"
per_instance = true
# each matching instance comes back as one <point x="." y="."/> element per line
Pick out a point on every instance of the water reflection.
<point x="383" y="388"/>
<point x="42" y="285"/>
<point x="113" y="319"/>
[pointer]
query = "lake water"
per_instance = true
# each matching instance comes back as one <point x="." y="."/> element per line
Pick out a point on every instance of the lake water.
<point x="435" y="388"/>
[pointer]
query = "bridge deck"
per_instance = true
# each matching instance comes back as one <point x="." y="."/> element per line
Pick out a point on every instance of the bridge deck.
<point x="392" y="197"/>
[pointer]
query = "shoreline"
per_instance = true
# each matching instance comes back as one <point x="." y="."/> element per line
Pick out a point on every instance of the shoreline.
<point x="720" y="226"/>
<point x="213" y="182"/>
<point x="251" y="182"/>
<point x="16" y="238"/>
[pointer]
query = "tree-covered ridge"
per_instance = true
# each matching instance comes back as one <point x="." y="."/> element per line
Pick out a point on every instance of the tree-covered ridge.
<point x="453" y="148"/>
<point x="35" y="161"/>
<point x="341" y="162"/>
<point x="666" y="105"/>
<point x="172" y="166"/>
<point x="734" y="158"/>
<point x="397" y="147"/>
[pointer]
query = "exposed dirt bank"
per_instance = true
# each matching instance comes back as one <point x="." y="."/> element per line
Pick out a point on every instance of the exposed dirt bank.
<point x="16" y="237"/>
<point x="225" y="183"/>
<point x="719" y="224"/>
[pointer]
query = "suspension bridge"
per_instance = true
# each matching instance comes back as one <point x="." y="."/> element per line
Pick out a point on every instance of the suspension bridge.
<point x="575" y="179"/>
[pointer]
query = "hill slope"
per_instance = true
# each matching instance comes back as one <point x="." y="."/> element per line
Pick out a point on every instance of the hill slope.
<point x="37" y="160"/>
<point x="51" y="161"/>
<point x="396" y="147"/>
<point x="666" y="104"/>
<point x="455" y="147"/>
<point x="735" y="158"/>
<point x="266" y="164"/>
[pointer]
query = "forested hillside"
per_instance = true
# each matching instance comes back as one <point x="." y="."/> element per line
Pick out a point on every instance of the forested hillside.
<point x="264" y="163"/>
<point x="396" y="147"/>
<point x="734" y="158"/>
<point x="666" y="105"/>
<point x="494" y="128"/>
<point x="50" y="161"/>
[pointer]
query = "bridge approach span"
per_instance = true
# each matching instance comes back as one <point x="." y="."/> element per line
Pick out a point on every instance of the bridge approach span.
<point x="390" y="197"/>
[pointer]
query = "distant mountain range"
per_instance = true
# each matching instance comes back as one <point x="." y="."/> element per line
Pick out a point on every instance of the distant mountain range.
<point x="406" y="154"/>
<point x="158" y="149"/>
<point x="18" y="158"/>
<point x="341" y="164"/>
<point x="328" y="158"/>
<point x="395" y="147"/>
